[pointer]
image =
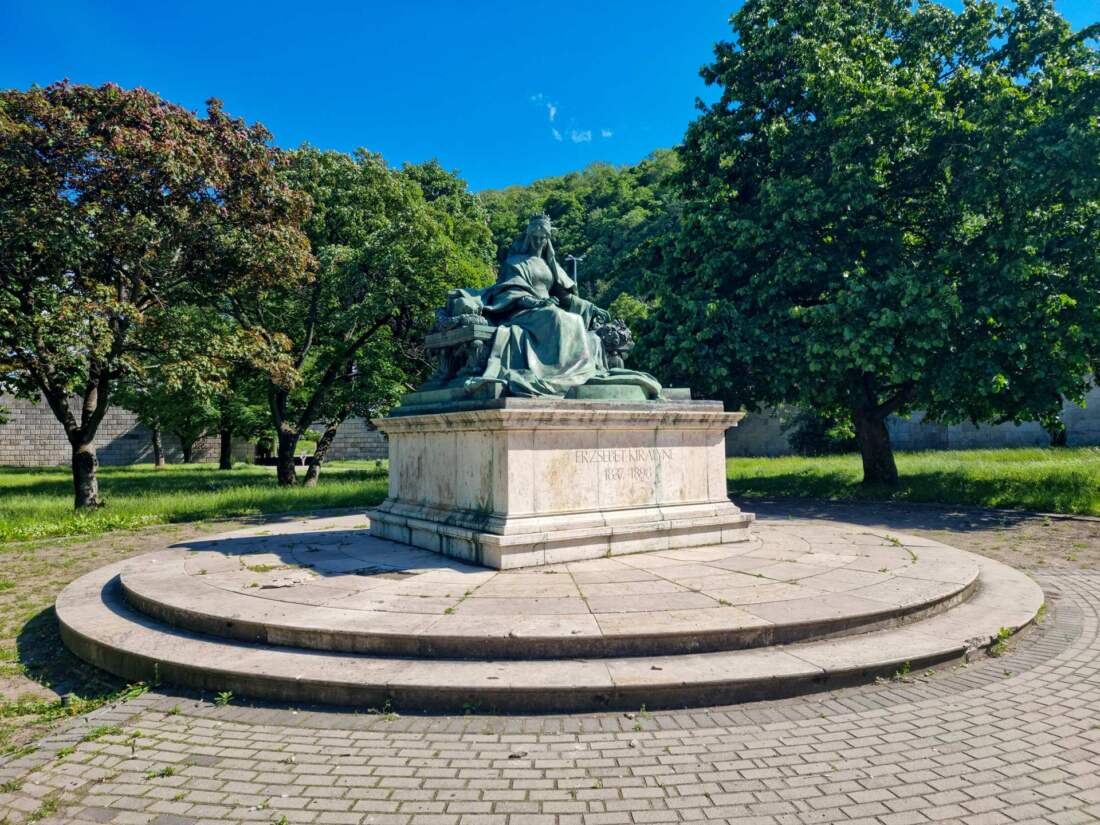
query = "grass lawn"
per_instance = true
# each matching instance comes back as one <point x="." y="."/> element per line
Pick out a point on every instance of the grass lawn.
<point x="1063" y="480"/>
<point x="37" y="502"/>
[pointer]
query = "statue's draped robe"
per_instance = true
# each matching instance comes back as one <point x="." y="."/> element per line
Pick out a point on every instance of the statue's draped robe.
<point x="545" y="350"/>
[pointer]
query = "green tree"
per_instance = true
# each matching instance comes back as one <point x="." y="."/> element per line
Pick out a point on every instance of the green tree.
<point x="242" y="410"/>
<point x="386" y="255"/>
<point x="892" y="206"/>
<point x="115" y="204"/>
<point x="195" y="373"/>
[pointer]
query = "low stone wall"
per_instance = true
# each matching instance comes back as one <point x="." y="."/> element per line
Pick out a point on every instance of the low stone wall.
<point x="760" y="435"/>
<point x="33" y="437"/>
<point x="356" y="440"/>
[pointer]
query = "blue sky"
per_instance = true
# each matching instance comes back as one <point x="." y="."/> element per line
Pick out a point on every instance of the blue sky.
<point x="504" y="92"/>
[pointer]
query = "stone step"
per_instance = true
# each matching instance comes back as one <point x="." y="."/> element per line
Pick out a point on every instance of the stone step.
<point x="164" y="590"/>
<point x="101" y="627"/>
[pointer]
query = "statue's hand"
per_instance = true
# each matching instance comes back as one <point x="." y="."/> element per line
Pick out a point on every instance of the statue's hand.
<point x="601" y="316"/>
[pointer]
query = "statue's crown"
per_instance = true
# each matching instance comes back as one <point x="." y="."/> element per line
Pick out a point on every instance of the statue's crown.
<point x="541" y="219"/>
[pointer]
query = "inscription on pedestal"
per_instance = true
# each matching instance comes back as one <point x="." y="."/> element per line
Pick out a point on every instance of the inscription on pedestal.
<point x="633" y="463"/>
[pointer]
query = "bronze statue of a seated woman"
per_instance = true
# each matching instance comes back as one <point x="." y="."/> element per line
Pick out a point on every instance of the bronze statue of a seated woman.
<point x="545" y="343"/>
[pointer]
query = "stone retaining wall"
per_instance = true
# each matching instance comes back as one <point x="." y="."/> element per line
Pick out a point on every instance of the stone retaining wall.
<point x="759" y="433"/>
<point x="34" y="438"/>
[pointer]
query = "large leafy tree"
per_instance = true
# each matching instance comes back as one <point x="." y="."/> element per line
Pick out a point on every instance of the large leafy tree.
<point x="115" y="205"/>
<point x="388" y="246"/>
<point x="892" y="206"/>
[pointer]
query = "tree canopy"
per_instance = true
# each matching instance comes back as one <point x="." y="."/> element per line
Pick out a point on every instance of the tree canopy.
<point x="115" y="205"/>
<point x="892" y="206"/>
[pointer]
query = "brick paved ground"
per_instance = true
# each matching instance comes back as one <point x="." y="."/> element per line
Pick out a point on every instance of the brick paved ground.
<point x="1011" y="739"/>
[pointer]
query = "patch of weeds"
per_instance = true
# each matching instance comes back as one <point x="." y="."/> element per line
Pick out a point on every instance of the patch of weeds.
<point x="223" y="698"/>
<point x="179" y="797"/>
<point x="1041" y="614"/>
<point x="267" y="568"/>
<point x="6" y="584"/>
<point x="1000" y="642"/>
<point x="68" y="750"/>
<point x="174" y="710"/>
<point x="902" y="671"/>
<point x="282" y="820"/>
<point x="47" y="807"/>
<point x="643" y="713"/>
<point x="638" y="727"/>
<point x="387" y="712"/>
<point x="98" y="733"/>
<point x="11" y="786"/>
<point x="894" y="540"/>
<point x="163" y="773"/>
<point x="725" y="603"/>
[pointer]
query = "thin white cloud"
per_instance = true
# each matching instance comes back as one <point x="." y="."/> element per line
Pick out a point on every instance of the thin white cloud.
<point x="552" y="111"/>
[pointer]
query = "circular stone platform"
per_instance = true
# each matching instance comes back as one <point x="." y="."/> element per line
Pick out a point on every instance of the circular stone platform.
<point x="342" y="589"/>
<point x="319" y="610"/>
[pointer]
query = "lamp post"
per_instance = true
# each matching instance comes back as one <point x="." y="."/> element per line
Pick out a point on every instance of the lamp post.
<point x="576" y="259"/>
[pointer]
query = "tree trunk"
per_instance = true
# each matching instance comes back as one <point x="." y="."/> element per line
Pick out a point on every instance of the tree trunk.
<point x="225" y="450"/>
<point x="874" y="446"/>
<point x="314" y="469"/>
<point x="158" y="449"/>
<point x="85" y="483"/>
<point x="284" y="468"/>
<point x="188" y="450"/>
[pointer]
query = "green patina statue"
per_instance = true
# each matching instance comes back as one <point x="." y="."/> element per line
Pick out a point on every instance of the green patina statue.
<point x="531" y="334"/>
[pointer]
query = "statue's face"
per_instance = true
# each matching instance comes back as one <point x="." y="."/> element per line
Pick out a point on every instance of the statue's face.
<point x="539" y="237"/>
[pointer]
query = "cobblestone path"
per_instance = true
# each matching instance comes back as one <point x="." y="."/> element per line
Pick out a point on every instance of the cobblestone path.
<point x="1008" y="739"/>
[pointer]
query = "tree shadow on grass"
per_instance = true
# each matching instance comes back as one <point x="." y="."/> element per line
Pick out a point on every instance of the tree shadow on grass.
<point x="1063" y="492"/>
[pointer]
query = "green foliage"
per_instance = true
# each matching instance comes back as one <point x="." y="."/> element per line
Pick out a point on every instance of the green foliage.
<point x="619" y="219"/>
<point x="388" y="246"/>
<point x="1066" y="480"/>
<point x="116" y="206"/>
<point x="35" y="503"/>
<point x="892" y="206"/>
<point x="999" y="646"/>
<point x="810" y="432"/>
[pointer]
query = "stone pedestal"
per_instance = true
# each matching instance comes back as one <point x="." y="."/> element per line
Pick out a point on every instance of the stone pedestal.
<point x="521" y="482"/>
